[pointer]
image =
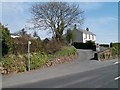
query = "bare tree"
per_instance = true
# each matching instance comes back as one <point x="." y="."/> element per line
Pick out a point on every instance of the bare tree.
<point x="56" y="16"/>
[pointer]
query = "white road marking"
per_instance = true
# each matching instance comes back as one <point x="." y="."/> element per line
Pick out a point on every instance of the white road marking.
<point x="116" y="62"/>
<point x="117" y="78"/>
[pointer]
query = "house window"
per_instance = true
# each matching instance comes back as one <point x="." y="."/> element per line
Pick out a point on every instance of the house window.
<point x="92" y="37"/>
<point x="89" y="36"/>
<point x="86" y="36"/>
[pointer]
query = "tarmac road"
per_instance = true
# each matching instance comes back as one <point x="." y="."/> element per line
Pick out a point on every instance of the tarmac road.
<point x="81" y="73"/>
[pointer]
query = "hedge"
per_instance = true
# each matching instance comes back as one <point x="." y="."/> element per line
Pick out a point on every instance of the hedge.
<point x="84" y="45"/>
<point x="104" y="45"/>
<point x="115" y="49"/>
<point x="18" y="63"/>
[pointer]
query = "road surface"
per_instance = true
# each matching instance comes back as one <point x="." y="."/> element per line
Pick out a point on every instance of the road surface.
<point x="81" y="73"/>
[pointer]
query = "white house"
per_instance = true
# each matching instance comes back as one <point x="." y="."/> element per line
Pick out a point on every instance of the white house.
<point x="84" y="35"/>
<point x="17" y="36"/>
<point x="14" y="35"/>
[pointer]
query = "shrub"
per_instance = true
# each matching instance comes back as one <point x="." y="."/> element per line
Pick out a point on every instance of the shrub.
<point x="13" y="63"/>
<point x="115" y="49"/>
<point x="18" y="63"/>
<point x="66" y="51"/>
<point x="21" y="45"/>
<point x="52" y="46"/>
<point x="102" y="56"/>
<point x="36" y="45"/>
<point x="38" y="60"/>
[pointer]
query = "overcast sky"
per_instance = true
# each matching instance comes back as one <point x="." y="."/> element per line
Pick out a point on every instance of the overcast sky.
<point x="100" y="17"/>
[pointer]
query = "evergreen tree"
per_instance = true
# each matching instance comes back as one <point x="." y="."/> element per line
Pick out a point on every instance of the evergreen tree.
<point x="6" y="40"/>
<point x="70" y="36"/>
<point x="35" y="34"/>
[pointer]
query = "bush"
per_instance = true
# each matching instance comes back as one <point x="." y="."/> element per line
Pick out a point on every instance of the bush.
<point x="21" y="45"/>
<point x="52" y="46"/>
<point x="13" y="63"/>
<point x="18" y="63"/>
<point x="115" y="49"/>
<point x="38" y="60"/>
<point x="66" y="51"/>
<point x="102" y="56"/>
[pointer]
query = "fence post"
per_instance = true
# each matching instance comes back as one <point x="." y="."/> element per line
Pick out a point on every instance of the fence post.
<point x="29" y="42"/>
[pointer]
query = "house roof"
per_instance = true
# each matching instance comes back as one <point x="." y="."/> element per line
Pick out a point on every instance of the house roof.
<point x="14" y="34"/>
<point x="85" y="31"/>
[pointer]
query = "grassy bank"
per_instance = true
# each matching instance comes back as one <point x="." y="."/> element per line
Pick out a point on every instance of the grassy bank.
<point x="18" y="63"/>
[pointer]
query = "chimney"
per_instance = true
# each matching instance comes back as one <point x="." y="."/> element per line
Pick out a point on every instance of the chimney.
<point x="75" y="27"/>
<point x="87" y="29"/>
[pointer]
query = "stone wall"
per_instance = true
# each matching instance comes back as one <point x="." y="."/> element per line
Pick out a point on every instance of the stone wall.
<point x="105" y="55"/>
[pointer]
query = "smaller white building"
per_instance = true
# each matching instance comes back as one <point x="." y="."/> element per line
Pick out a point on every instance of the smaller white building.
<point x="14" y="35"/>
<point x="83" y="36"/>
